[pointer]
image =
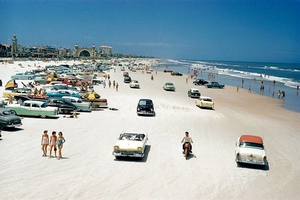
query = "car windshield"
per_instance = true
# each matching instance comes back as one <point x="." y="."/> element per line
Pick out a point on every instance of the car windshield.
<point x="251" y="145"/>
<point x="44" y="105"/>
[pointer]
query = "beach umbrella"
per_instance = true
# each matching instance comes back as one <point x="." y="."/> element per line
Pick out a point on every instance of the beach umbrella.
<point x="11" y="84"/>
<point x="92" y="95"/>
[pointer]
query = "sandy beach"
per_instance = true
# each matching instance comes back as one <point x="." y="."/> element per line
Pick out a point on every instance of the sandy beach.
<point x="88" y="169"/>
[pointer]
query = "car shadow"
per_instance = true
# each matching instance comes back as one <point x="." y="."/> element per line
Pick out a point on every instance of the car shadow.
<point x="38" y="117"/>
<point x="253" y="166"/>
<point x="131" y="159"/>
<point x="11" y="129"/>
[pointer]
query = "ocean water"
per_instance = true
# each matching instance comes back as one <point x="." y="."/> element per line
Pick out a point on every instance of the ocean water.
<point x="273" y="76"/>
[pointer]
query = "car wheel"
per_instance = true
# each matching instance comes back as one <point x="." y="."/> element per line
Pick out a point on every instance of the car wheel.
<point x="43" y="116"/>
<point x="29" y="78"/>
<point x="117" y="157"/>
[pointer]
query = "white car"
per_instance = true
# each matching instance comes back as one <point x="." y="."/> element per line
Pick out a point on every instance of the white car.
<point x="134" y="84"/>
<point x="250" y="149"/>
<point x="169" y="86"/>
<point x="130" y="145"/>
<point x="205" y="102"/>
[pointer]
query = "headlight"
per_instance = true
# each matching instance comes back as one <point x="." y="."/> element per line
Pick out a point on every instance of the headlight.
<point x="116" y="148"/>
<point x="140" y="149"/>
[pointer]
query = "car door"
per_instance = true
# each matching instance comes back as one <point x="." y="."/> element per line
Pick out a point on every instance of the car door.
<point x="35" y="109"/>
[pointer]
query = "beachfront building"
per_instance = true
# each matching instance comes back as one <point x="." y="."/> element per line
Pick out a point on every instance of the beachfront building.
<point x="106" y="51"/>
<point x="85" y="52"/>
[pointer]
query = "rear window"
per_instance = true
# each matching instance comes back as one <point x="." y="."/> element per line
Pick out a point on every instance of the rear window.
<point x="145" y="102"/>
<point x="251" y="145"/>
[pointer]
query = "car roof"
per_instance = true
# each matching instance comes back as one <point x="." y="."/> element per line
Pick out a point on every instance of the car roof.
<point x="34" y="101"/>
<point x="205" y="97"/>
<point x="194" y="89"/>
<point x="251" y="138"/>
<point x="70" y="97"/>
<point x="145" y="100"/>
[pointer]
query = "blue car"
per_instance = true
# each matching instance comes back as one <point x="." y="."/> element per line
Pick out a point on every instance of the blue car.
<point x="61" y="93"/>
<point x="24" y="76"/>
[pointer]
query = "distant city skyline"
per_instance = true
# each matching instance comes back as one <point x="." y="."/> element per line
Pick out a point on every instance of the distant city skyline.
<point x="259" y="31"/>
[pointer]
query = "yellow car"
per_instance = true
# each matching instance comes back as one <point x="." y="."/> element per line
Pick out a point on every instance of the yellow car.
<point x="205" y="102"/>
<point x="16" y="92"/>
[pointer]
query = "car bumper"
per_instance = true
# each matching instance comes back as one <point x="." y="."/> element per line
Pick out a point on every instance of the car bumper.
<point x="150" y="113"/>
<point x="194" y="95"/>
<point x="12" y="125"/>
<point x="255" y="162"/>
<point x="128" y="154"/>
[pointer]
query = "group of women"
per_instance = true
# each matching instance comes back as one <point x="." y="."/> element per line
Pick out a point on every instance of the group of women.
<point x="55" y="142"/>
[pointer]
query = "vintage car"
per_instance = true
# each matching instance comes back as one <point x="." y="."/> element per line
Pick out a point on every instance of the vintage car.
<point x="145" y="107"/>
<point x="95" y="99"/>
<point x="24" y="76"/>
<point x="214" y="85"/>
<point x="61" y="93"/>
<point x="63" y="106"/>
<point x="127" y="79"/>
<point x="81" y="106"/>
<point x="40" y="80"/>
<point x="200" y="82"/>
<point x="169" y="87"/>
<point x="176" y="73"/>
<point x="194" y="93"/>
<point x="125" y="74"/>
<point x="250" y="149"/>
<point x="33" y="108"/>
<point x="9" y="119"/>
<point x="16" y="92"/>
<point x="134" y="84"/>
<point x="130" y="145"/>
<point x="168" y="70"/>
<point x="205" y="102"/>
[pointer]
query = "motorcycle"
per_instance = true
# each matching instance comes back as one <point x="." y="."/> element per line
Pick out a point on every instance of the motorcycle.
<point x="186" y="149"/>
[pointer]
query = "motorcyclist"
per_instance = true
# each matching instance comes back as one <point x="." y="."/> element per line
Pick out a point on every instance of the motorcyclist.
<point x="187" y="139"/>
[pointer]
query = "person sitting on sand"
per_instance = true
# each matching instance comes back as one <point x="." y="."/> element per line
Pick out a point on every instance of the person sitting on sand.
<point x="74" y="115"/>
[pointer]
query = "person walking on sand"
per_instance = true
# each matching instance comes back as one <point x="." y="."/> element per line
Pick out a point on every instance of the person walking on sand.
<point x="114" y="84"/>
<point x="45" y="142"/>
<point x="117" y="87"/>
<point x="60" y="141"/>
<point x="53" y="141"/>
<point x="249" y="90"/>
<point x="109" y="83"/>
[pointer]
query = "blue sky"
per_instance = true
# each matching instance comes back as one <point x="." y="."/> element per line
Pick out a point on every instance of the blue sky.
<point x="252" y="30"/>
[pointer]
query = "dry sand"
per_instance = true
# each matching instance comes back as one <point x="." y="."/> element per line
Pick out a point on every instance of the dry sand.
<point x="90" y="171"/>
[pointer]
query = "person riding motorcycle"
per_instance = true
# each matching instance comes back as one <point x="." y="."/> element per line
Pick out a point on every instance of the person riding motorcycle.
<point x="187" y="139"/>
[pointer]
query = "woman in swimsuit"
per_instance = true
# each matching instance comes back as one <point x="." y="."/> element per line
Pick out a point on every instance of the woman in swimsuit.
<point x="60" y="141"/>
<point x="45" y="142"/>
<point x="53" y="141"/>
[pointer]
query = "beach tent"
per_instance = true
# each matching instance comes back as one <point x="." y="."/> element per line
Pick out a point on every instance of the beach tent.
<point x="11" y="84"/>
